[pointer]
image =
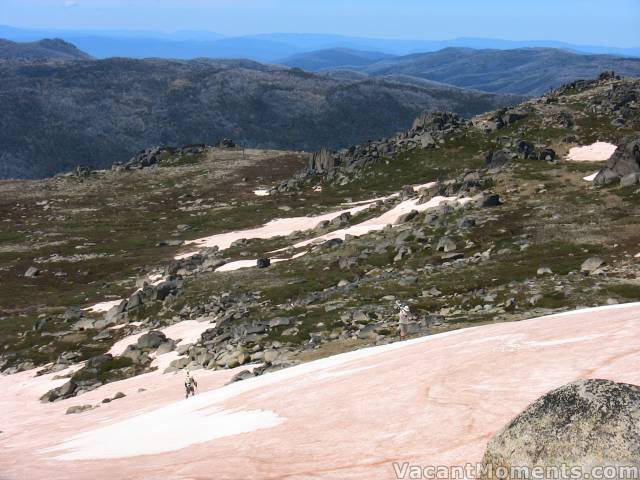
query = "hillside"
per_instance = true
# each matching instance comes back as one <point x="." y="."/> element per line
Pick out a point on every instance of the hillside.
<point x="332" y="58"/>
<point x="525" y="71"/>
<point x="42" y="50"/>
<point x="273" y="276"/>
<point x="94" y="113"/>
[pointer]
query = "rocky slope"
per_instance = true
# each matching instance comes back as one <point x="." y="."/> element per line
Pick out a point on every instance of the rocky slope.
<point x="57" y="116"/>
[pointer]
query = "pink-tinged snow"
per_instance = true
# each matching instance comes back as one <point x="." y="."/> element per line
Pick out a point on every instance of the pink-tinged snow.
<point x="103" y="306"/>
<point x="596" y="152"/>
<point x="430" y="401"/>
<point x="390" y="217"/>
<point x="238" y="264"/>
<point x="188" y="332"/>
<point x="284" y="226"/>
<point x="274" y="228"/>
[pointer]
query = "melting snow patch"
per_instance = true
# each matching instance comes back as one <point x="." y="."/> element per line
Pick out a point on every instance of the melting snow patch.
<point x="285" y="226"/>
<point x="596" y="152"/>
<point x="103" y="306"/>
<point x="188" y="331"/>
<point x="261" y="192"/>
<point x="388" y="218"/>
<point x="164" y="430"/>
<point x="591" y="178"/>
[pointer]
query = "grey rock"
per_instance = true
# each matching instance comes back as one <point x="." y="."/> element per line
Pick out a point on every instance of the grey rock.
<point x="586" y="423"/>
<point x="445" y="244"/>
<point x="263" y="262"/>
<point x="135" y="354"/>
<point x="448" y="257"/>
<point x="78" y="409"/>
<point x="281" y="321"/>
<point x="630" y="179"/>
<point x="243" y="375"/>
<point x="497" y="159"/>
<point x="624" y="161"/>
<point x="151" y="340"/>
<point x="467" y="222"/>
<point x="592" y="264"/>
<point x="32" y="272"/>
<point x="487" y="200"/>
<point x="406" y="217"/>
<point x="166" y="347"/>
<point x="535" y="299"/>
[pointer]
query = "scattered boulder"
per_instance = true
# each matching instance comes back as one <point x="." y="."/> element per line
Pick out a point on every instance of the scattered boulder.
<point x="65" y="391"/>
<point x="588" y="423"/>
<point x="407" y="217"/>
<point x="547" y="154"/>
<point x="151" y="340"/>
<point x="445" y="244"/>
<point x="243" y="375"/>
<point x="263" y="262"/>
<point x="497" y="159"/>
<point x="624" y="161"/>
<point x="449" y="257"/>
<point x="592" y="264"/>
<point x="78" y="409"/>
<point x="333" y="242"/>
<point x="487" y="200"/>
<point x="226" y="143"/>
<point x="32" y="272"/>
<point x="630" y="180"/>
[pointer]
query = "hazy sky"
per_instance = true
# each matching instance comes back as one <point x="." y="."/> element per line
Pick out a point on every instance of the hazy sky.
<point x="596" y="22"/>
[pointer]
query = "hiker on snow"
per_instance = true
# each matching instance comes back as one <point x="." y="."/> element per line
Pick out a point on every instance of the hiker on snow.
<point x="404" y="316"/>
<point x="190" y="385"/>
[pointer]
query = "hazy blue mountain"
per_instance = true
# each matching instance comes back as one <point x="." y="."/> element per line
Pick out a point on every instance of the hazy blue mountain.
<point x="264" y="47"/>
<point x="42" y="50"/>
<point x="106" y="47"/>
<point x="528" y="71"/>
<point x="332" y="58"/>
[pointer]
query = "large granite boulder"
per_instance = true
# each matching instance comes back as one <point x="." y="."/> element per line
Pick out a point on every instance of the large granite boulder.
<point x="586" y="424"/>
<point x="624" y="161"/>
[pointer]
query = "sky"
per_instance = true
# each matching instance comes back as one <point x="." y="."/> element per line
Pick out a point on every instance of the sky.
<point x="588" y="22"/>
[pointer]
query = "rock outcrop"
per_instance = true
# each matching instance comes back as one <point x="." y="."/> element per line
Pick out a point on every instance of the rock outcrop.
<point x="624" y="162"/>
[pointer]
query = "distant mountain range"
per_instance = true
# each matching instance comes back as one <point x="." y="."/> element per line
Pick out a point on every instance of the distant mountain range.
<point x="56" y="115"/>
<point x="266" y="47"/>
<point x="524" y="71"/>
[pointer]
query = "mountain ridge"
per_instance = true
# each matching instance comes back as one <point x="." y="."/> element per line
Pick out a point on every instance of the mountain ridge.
<point x="109" y="109"/>
<point x="41" y="50"/>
